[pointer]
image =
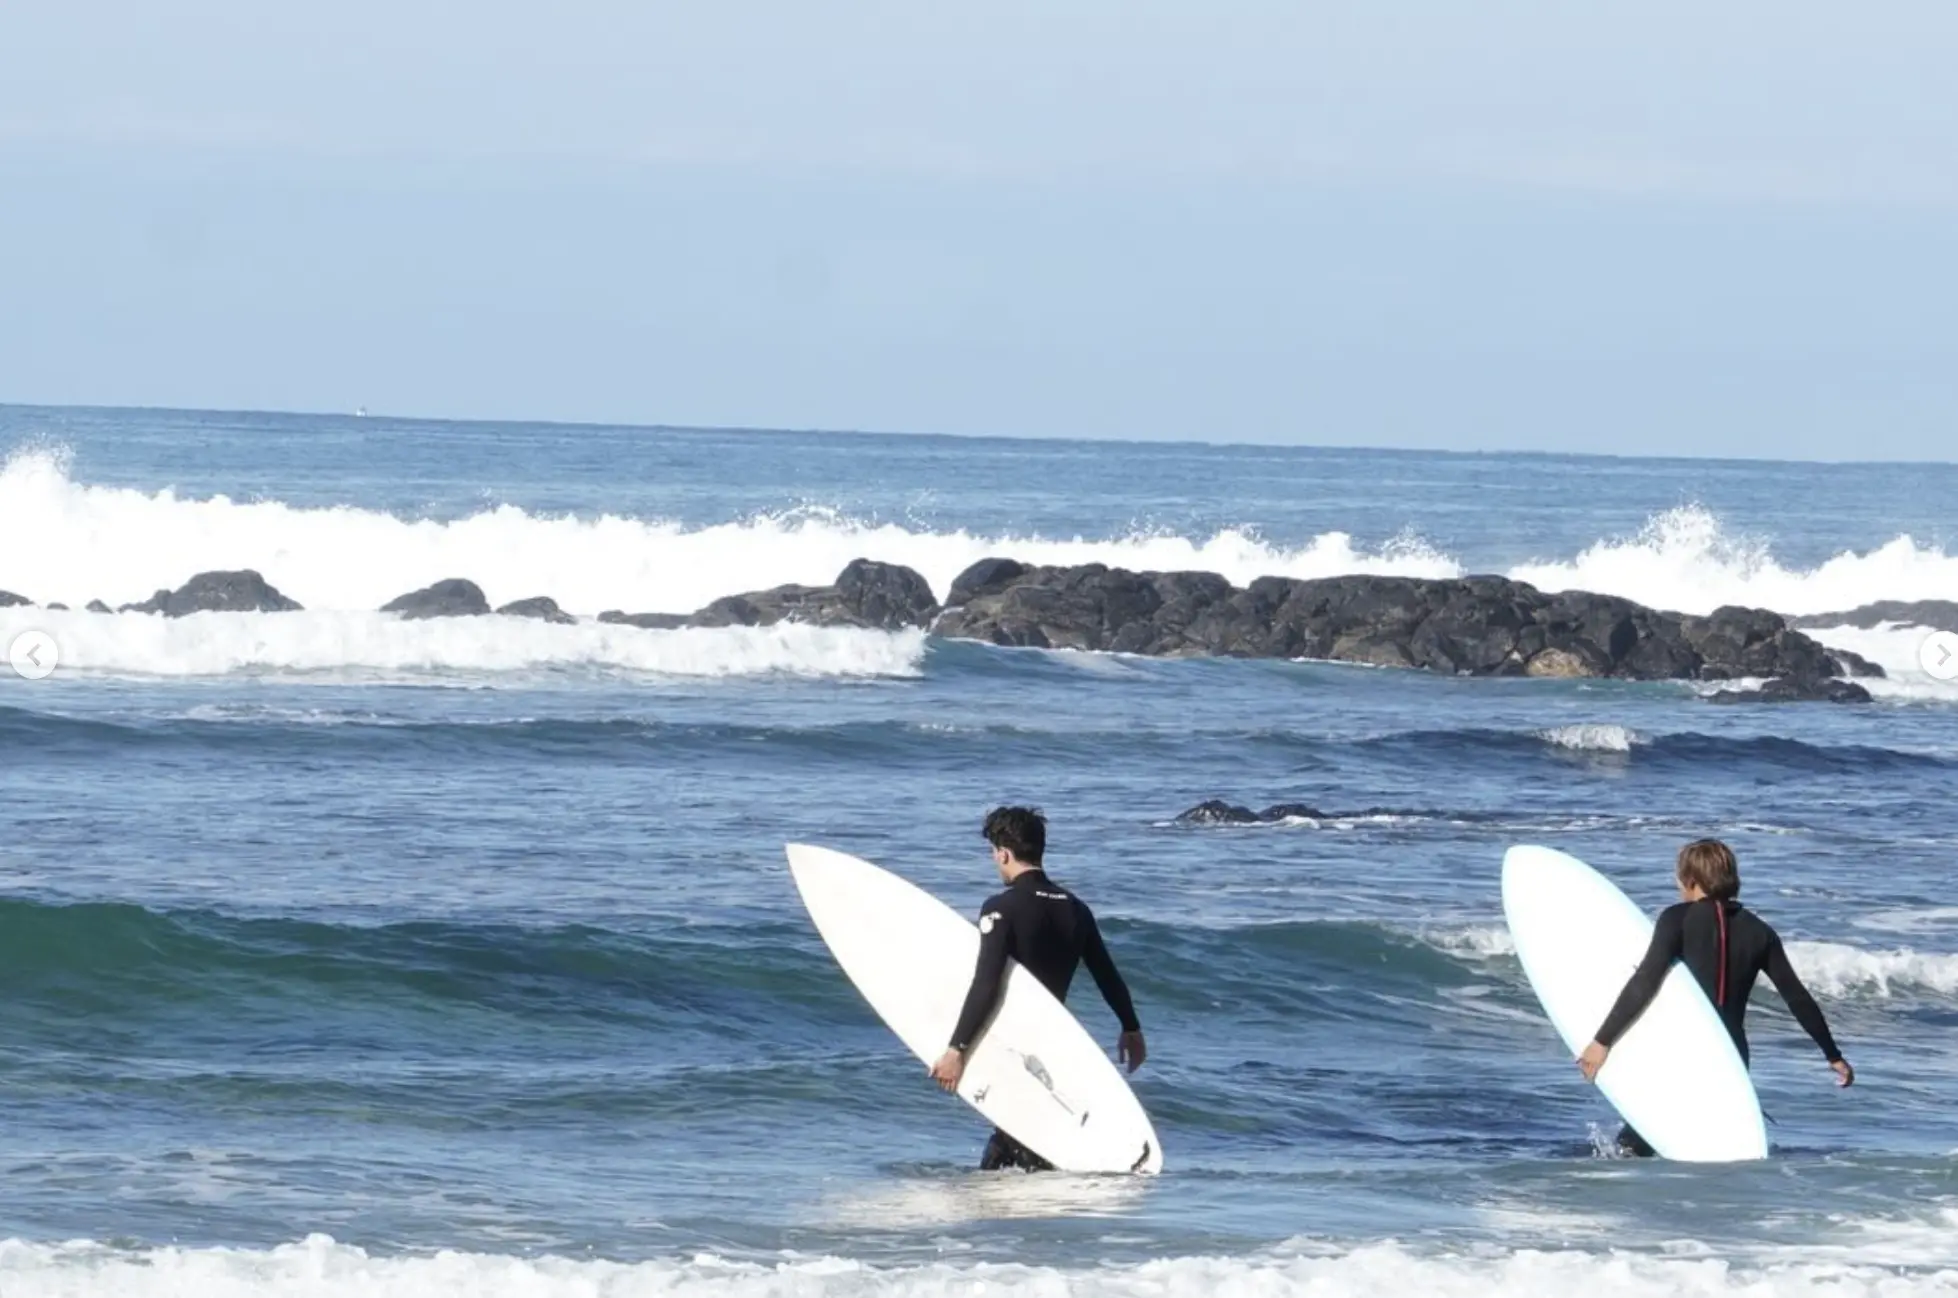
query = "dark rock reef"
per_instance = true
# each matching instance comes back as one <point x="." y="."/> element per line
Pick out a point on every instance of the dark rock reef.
<point x="10" y="600"/>
<point x="214" y="592"/>
<point x="879" y="596"/>
<point x="1469" y="626"/>
<point x="1931" y="614"/>
<point x="454" y="597"/>
<point x="1473" y="626"/>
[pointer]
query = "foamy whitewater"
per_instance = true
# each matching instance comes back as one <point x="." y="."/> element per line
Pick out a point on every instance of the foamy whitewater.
<point x="121" y="544"/>
<point x="348" y="955"/>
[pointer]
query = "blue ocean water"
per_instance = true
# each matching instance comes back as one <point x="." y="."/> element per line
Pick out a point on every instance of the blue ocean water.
<point x="350" y="955"/>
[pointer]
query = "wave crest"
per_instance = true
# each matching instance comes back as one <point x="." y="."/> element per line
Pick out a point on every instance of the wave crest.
<point x="1685" y="560"/>
<point x="372" y="647"/>
<point x="322" y="1268"/>
<point x="120" y="545"/>
<point x="1835" y="969"/>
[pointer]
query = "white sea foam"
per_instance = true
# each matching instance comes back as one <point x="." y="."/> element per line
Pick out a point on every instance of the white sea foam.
<point x="1685" y="561"/>
<point x="64" y="540"/>
<point x="379" y="645"/>
<point x="1592" y="738"/>
<point x="1835" y="969"/>
<point x="1893" y="648"/>
<point x="1828" y="968"/>
<point x="69" y="542"/>
<point x="1476" y="942"/>
<point x="320" y="1268"/>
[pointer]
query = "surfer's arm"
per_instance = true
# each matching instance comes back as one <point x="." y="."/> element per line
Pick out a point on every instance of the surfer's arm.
<point x="995" y="939"/>
<point x="1800" y="1003"/>
<point x="1094" y="954"/>
<point x="1668" y="941"/>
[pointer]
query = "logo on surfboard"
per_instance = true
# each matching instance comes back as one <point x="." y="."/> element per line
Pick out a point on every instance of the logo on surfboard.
<point x="1040" y="1074"/>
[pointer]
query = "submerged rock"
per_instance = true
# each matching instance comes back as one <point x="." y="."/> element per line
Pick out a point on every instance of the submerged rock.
<point x="645" y="621"/>
<point x="10" y="600"/>
<point x="97" y="606"/>
<point x="1218" y="812"/>
<point x="1790" y="689"/>
<point x="243" y="591"/>
<point x="543" y="608"/>
<point x="454" y="597"/>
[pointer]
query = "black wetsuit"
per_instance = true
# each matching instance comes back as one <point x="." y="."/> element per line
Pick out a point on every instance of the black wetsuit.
<point x="1049" y="931"/>
<point x="1726" y="947"/>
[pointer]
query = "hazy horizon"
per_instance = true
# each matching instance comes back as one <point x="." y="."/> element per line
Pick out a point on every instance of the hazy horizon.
<point x="1671" y="233"/>
<point x="398" y="417"/>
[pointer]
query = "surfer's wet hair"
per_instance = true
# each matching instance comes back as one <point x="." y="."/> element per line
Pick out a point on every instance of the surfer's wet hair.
<point x="1020" y="830"/>
<point x="1710" y="864"/>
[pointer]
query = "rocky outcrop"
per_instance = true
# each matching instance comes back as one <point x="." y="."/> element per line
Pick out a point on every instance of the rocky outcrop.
<point x="1475" y="626"/>
<point x="10" y="600"/>
<point x="97" y="606"/>
<point x="1735" y="642"/>
<point x="1931" y="614"/>
<point x="1789" y="689"/>
<point x="644" y="621"/>
<point x="55" y="607"/>
<point x="452" y="598"/>
<point x="542" y="607"/>
<point x="986" y="577"/>
<point x="215" y="592"/>
<point x="879" y="596"/>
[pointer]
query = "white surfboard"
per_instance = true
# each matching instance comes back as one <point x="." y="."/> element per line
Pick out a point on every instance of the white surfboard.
<point x="1675" y="1075"/>
<point x="1035" y="1072"/>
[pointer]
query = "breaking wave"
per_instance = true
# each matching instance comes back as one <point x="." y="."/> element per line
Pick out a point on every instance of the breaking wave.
<point x="321" y="1268"/>
<point x="121" y="544"/>
<point x="342" y="645"/>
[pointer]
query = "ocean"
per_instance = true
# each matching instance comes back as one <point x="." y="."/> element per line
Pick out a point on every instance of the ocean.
<point x="345" y="955"/>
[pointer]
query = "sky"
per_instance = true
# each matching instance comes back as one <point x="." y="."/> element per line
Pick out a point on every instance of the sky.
<point x="1653" y="228"/>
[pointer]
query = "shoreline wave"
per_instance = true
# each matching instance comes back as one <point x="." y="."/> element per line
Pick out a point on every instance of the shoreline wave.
<point x="320" y="1267"/>
<point x="61" y="948"/>
<point x="374" y="647"/>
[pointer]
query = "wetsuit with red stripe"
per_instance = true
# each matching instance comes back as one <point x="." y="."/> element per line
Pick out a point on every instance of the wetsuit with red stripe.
<point x="1727" y="947"/>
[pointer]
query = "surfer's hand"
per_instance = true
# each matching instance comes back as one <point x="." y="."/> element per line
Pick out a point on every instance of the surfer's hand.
<point x="1131" y="1050"/>
<point x="1592" y="1060"/>
<point x="1845" y="1075"/>
<point x="949" y="1068"/>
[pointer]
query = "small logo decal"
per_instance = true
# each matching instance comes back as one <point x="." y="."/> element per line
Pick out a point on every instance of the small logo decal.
<point x="986" y="922"/>
<point x="1040" y="1074"/>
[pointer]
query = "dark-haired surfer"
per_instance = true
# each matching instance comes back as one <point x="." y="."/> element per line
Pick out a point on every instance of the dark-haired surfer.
<point x="1049" y="931"/>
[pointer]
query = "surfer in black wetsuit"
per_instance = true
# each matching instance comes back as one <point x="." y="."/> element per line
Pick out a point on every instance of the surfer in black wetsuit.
<point x="1049" y="931"/>
<point x="1727" y="948"/>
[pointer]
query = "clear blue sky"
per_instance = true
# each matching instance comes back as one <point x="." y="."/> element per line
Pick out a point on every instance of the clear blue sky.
<point x="1662" y="227"/>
